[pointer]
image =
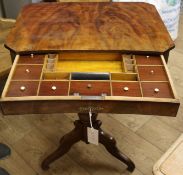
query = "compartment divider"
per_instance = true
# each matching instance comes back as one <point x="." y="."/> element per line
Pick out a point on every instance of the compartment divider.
<point x="41" y="77"/>
<point x="29" y="64"/>
<point x="169" y="78"/>
<point x="111" y="85"/>
<point x="124" y="65"/>
<point x="69" y="88"/>
<point x="138" y="77"/>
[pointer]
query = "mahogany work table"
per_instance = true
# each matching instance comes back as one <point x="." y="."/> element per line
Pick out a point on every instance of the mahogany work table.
<point x="97" y="57"/>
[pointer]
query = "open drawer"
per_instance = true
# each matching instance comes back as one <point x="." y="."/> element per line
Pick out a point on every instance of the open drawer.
<point x="77" y="82"/>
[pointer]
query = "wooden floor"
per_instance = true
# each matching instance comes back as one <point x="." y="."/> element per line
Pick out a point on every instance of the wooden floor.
<point x="143" y="138"/>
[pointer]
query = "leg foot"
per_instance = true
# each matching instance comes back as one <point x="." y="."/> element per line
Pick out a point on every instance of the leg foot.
<point x="110" y="144"/>
<point x="65" y="144"/>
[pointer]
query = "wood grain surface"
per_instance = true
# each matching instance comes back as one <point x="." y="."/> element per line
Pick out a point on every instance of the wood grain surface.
<point x="83" y="106"/>
<point x="90" y="26"/>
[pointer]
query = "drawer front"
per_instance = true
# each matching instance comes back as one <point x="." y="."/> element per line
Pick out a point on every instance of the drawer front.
<point x="152" y="73"/>
<point x="90" y="88"/>
<point x="52" y="88"/>
<point x="157" y="89"/>
<point x="27" y="72"/>
<point x="126" y="89"/>
<point x="148" y="60"/>
<point x="28" y="59"/>
<point x="23" y="88"/>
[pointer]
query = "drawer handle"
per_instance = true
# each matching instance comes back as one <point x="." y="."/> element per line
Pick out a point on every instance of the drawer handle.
<point x="89" y="86"/>
<point x="156" y="90"/>
<point x="53" y="88"/>
<point x="126" y="88"/>
<point x="27" y="70"/>
<point x="152" y="72"/>
<point x="32" y="55"/>
<point x="22" y="88"/>
<point x="147" y="56"/>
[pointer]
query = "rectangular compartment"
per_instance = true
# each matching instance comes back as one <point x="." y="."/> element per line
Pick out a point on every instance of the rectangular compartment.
<point x="89" y="62"/>
<point x="31" y="59"/>
<point x="126" y="89"/>
<point x="124" y="76"/>
<point x="157" y="90"/>
<point x="90" y="88"/>
<point x="56" y="75"/>
<point x="152" y="73"/>
<point x="27" y="72"/>
<point x="54" y="88"/>
<point x="22" y="88"/>
<point x="148" y="60"/>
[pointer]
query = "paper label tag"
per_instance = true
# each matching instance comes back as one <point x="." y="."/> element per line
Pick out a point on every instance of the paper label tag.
<point x="93" y="135"/>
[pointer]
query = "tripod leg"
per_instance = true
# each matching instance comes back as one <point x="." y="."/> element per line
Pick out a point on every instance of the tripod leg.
<point x="110" y="144"/>
<point x="66" y="143"/>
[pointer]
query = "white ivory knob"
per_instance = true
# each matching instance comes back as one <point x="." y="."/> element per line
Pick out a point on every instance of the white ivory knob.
<point x="27" y="70"/>
<point x="32" y="55"/>
<point x="22" y="88"/>
<point x="147" y="56"/>
<point x="53" y="88"/>
<point x="156" y="90"/>
<point x="152" y="71"/>
<point x="125" y="88"/>
<point x="89" y="86"/>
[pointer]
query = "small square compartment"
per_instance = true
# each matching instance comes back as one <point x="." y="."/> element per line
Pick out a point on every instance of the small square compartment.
<point x="54" y="88"/>
<point x="126" y="89"/>
<point x="31" y="59"/>
<point x="22" y="88"/>
<point x="27" y="72"/>
<point x="157" y="90"/>
<point x="148" y="60"/>
<point x="90" y="88"/>
<point x="152" y="73"/>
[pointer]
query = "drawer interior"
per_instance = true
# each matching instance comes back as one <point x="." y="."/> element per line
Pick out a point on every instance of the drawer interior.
<point x="52" y="75"/>
<point x="118" y="66"/>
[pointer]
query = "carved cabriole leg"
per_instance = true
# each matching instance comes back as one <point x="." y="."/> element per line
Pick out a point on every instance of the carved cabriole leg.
<point x="80" y="133"/>
<point x="66" y="143"/>
<point x="110" y="144"/>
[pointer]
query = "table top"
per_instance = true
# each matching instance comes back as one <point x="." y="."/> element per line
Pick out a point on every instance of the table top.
<point x="106" y="26"/>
